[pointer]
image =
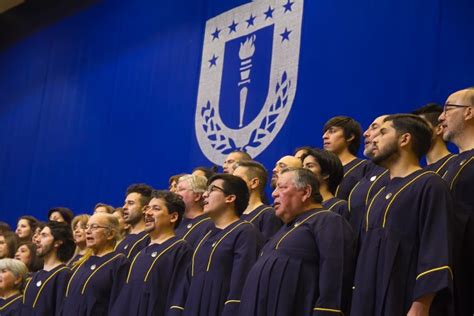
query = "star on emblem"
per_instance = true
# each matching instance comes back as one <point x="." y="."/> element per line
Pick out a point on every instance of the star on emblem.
<point x="288" y="6"/>
<point x="215" y="34"/>
<point x="285" y="36"/>
<point x="269" y="13"/>
<point x="213" y="61"/>
<point x="233" y="27"/>
<point x="250" y="21"/>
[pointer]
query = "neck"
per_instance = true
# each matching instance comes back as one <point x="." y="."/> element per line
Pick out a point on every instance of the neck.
<point x="345" y="157"/>
<point x="137" y="228"/>
<point x="224" y="219"/>
<point x="193" y="212"/>
<point x="100" y="252"/>
<point x="465" y="141"/>
<point x="159" y="236"/>
<point x="306" y="208"/>
<point x="8" y="294"/>
<point x="51" y="261"/>
<point x="82" y="247"/>
<point x="255" y="201"/>
<point x="403" y="166"/>
<point x="437" y="151"/>
<point x="325" y="193"/>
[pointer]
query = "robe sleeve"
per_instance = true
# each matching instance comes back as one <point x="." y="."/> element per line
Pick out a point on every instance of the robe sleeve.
<point x="270" y="224"/>
<point x="335" y="242"/>
<point x="120" y="272"/>
<point x="434" y="272"/>
<point x="61" y="283"/>
<point x="179" y="282"/>
<point x="245" y="255"/>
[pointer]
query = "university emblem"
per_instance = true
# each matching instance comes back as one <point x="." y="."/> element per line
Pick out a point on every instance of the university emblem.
<point x="248" y="76"/>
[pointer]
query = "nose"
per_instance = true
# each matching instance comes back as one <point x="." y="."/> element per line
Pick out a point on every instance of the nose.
<point x="442" y="116"/>
<point x="275" y="193"/>
<point x="205" y="194"/>
<point x="325" y="135"/>
<point x="367" y="133"/>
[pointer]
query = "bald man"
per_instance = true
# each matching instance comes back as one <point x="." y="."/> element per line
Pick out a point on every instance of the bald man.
<point x="284" y="162"/>
<point x="457" y="121"/>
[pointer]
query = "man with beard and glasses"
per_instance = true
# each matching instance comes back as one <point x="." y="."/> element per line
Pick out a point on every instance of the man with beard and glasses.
<point x="137" y="198"/>
<point x="404" y="264"/>
<point x="457" y="121"/>
<point x="44" y="292"/>
<point x="438" y="158"/>
<point x="158" y="269"/>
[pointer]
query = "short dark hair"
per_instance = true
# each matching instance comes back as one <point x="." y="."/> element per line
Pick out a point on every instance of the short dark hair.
<point x="350" y="127"/>
<point x="234" y="185"/>
<point x="331" y="166"/>
<point x="143" y="189"/>
<point x="255" y="170"/>
<point x="11" y="240"/>
<point x="303" y="178"/>
<point x="65" y="212"/>
<point x="4" y="227"/>
<point x="173" y="202"/>
<point x="243" y="154"/>
<point x="36" y="263"/>
<point x="110" y="209"/>
<point x="208" y="172"/>
<point x="62" y="232"/>
<point x="305" y="148"/>
<point x="430" y="112"/>
<point x="417" y="127"/>
<point x="175" y="177"/>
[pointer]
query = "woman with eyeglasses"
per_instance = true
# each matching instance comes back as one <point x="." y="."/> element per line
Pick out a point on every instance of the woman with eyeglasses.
<point x="99" y="275"/>
<point x="13" y="274"/>
<point x="224" y="256"/>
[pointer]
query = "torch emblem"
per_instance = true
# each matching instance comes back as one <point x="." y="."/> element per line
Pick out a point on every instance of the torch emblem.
<point x="248" y="76"/>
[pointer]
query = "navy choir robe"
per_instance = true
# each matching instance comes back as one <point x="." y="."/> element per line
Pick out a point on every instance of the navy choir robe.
<point x="442" y="165"/>
<point x="338" y="206"/>
<point x="362" y="193"/>
<point x="11" y="306"/>
<point x="153" y="277"/>
<point x="218" y="270"/>
<point x="405" y="252"/>
<point x="72" y="264"/>
<point x="44" y="293"/>
<point x="353" y="172"/>
<point x="305" y="269"/>
<point x="132" y="244"/>
<point x="460" y="179"/>
<point x="192" y="230"/>
<point x="94" y="285"/>
<point x="264" y="220"/>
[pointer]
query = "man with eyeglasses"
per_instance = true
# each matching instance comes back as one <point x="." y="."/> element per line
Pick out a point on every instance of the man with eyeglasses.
<point x="233" y="158"/>
<point x="100" y="273"/>
<point x="195" y="224"/>
<point x="224" y="256"/>
<point x="457" y="120"/>
<point x="44" y="292"/>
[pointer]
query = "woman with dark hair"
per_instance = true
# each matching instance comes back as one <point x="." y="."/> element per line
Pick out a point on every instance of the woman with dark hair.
<point x="204" y="171"/>
<point x="25" y="228"/>
<point x="61" y="214"/>
<point x="224" y="256"/>
<point x="39" y="226"/>
<point x="8" y="243"/>
<point x="13" y="274"/>
<point x="26" y="253"/>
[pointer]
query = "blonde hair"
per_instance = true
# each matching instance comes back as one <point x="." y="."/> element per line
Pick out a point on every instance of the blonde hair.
<point x="82" y="218"/>
<point x="16" y="267"/>
<point x="198" y="184"/>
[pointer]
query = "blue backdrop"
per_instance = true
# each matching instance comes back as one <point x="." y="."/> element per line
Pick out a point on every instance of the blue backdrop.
<point x="107" y="97"/>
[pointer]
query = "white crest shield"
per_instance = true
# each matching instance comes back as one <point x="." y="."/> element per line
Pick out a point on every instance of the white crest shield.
<point x="248" y="77"/>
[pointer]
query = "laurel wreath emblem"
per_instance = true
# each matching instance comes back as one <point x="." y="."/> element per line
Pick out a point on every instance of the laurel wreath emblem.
<point x="225" y="144"/>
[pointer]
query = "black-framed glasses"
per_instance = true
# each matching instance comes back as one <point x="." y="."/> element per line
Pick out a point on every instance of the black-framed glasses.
<point x="214" y="188"/>
<point x="94" y="227"/>
<point x="449" y="105"/>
